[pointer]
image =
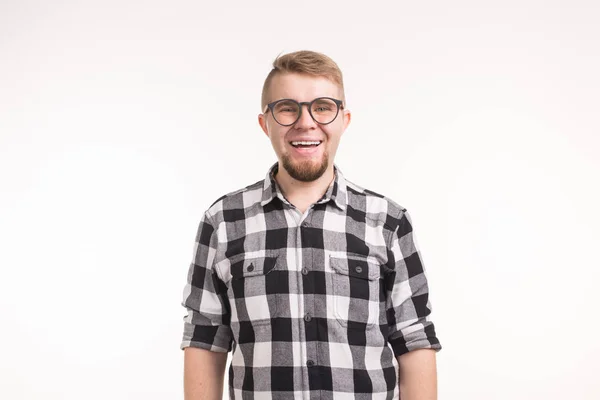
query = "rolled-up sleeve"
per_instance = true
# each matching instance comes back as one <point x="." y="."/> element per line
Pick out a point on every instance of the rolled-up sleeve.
<point x="206" y="324"/>
<point x="408" y="305"/>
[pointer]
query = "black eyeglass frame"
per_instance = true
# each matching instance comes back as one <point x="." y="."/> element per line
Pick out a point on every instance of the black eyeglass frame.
<point x="339" y="103"/>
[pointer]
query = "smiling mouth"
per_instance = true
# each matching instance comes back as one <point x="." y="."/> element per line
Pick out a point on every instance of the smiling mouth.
<point x="306" y="144"/>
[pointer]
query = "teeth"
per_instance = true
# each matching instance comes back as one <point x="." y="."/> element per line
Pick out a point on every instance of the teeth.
<point x="305" y="143"/>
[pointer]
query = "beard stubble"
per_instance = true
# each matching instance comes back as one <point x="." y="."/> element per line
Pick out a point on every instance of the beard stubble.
<point x="305" y="171"/>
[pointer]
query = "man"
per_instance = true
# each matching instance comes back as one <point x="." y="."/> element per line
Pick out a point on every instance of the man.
<point x="313" y="282"/>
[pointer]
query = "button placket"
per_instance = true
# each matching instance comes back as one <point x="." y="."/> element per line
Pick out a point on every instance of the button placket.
<point x="309" y="307"/>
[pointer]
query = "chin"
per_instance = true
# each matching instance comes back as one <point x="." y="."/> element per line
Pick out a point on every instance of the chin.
<point x="305" y="171"/>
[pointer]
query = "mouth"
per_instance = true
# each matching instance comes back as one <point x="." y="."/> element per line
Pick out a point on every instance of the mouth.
<point x="306" y="144"/>
<point x="303" y="148"/>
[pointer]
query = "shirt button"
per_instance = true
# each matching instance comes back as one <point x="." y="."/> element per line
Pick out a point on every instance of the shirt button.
<point x="310" y="363"/>
<point x="359" y="269"/>
<point x="304" y="271"/>
<point x="307" y="317"/>
<point x="251" y="268"/>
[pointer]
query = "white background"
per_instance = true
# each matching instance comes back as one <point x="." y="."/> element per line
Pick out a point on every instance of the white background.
<point x="122" y="121"/>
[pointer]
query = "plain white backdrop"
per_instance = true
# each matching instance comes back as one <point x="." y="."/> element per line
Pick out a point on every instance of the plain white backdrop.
<point x="122" y="121"/>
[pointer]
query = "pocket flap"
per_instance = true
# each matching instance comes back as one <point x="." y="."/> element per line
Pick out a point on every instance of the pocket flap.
<point x="252" y="267"/>
<point x="355" y="266"/>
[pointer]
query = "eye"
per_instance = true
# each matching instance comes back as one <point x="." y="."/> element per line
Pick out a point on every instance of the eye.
<point x="324" y="105"/>
<point x="286" y="107"/>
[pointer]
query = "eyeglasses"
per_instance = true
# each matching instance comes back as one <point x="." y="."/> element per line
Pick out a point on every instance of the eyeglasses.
<point x="323" y="110"/>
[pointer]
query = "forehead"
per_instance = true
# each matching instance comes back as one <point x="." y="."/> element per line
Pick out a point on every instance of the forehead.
<point x="301" y="87"/>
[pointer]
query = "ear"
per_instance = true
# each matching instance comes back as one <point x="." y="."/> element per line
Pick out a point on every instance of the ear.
<point x="347" y="118"/>
<point x="262" y="121"/>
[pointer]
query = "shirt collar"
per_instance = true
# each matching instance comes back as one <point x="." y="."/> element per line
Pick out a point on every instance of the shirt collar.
<point x="337" y="190"/>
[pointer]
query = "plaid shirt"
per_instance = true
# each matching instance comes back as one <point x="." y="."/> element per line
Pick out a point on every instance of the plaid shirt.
<point x="314" y="305"/>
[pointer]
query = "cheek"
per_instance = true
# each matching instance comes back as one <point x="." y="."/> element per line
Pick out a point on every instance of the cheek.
<point x="333" y="133"/>
<point x="278" y="139"/>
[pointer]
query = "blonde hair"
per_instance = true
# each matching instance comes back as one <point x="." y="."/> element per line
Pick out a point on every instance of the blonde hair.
<point x="304" y="62"/>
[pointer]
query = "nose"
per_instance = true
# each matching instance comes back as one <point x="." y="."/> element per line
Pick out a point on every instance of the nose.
<point x="305" y="121"/>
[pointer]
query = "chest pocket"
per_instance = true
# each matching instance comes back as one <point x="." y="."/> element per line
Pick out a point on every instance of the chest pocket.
<point x="253" y="290"/>
<point x="356" y="289"/>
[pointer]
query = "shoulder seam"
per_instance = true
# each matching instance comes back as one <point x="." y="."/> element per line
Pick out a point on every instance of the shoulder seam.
<point x="237" y="191"/>
<point x="394" y="229"/>
<point x="214" y="263"/>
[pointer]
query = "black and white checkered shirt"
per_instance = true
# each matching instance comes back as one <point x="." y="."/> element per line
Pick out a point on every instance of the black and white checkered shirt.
<point x="314" y="305"/>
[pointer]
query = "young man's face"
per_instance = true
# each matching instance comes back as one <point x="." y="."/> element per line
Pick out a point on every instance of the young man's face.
<point x="304" y="164"/>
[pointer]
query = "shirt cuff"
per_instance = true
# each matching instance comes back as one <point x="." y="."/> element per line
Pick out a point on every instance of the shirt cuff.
<point x="420" y="339"/>
<point x="216" y="338"/>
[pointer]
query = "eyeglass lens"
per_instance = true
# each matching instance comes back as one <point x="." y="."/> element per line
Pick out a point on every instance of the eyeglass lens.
<point x="323" y="110"/>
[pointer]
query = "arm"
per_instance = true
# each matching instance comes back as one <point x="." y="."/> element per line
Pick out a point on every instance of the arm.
<point x="203" y="374"/>
<point x="207" y="336"/>
<point x="418" y="376"/>
<point x="408" y="312"/>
